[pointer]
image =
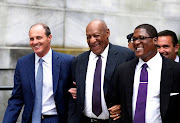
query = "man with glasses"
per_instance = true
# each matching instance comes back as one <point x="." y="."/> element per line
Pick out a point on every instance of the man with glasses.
<point x="168" y="45"/>
<point x="147" y="87"/>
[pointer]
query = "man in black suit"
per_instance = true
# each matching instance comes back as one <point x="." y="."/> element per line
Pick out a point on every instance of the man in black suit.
<point x="168" y="45"/>
<point x="80" y="109"/>
<point x="160" y="98"/>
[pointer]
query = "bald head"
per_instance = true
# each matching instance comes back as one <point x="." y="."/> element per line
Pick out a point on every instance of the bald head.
<point x="100" y="23"/>
<point x="97" y="36"/>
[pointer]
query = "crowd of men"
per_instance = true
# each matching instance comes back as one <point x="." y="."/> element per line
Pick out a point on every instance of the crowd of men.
<point x="107" y="84"/>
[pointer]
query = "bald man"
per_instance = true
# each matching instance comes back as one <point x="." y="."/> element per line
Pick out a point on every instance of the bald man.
<point x="85" y="67"/>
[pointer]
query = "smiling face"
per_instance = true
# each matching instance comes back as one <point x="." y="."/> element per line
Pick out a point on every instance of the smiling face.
<point x="97" y="36"/>
<point x="145" y="49"/>
<point x="39" y="42"/>
<point x="166" y="48"/>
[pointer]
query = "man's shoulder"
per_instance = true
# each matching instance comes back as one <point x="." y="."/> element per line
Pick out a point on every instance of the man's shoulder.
<point x="120" y="48"/>
<point x="167" y="61"/>
<point x="27" y="57"/>
<point x="123" y="53"/>
<point x="130" y="63"/>
<point x="62" y="55"/>
<point x="83" y="55"/>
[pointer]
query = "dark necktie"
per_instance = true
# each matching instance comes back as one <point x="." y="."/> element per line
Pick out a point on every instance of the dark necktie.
<point x="139" y="116"/>
<point x="36" y="115"/>
<point x="96" y="96"/>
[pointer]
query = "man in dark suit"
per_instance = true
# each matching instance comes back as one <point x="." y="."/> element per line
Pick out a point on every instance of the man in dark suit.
<point x="81" y="108"/>
<point x="55" y="75"/>
<point x="168" y="45"/>
<point x="148" y="86"/>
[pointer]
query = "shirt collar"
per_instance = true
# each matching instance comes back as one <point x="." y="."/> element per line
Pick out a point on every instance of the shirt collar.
<point x="151" y="63"/>
<point x="177" y="58"/>
<point x="103" y="54"/>
<point x="47" y="58"/>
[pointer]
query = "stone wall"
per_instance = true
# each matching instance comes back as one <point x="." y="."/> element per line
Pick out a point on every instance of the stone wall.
<point x="67" y="20"/>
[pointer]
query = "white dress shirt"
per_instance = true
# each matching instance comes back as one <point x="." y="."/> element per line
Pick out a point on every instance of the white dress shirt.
<point x="177" y="58"/>
<point x="153" y="90"/>
<point x="48" y="104"/>
<point x="89" y="85"/>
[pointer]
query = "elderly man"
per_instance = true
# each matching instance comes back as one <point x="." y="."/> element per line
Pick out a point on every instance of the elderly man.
<point x="93" y="73"/>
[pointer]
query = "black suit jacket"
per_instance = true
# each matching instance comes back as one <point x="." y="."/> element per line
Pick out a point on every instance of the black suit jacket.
<point x="116" y="55"/>
<point x="170" y="83"/>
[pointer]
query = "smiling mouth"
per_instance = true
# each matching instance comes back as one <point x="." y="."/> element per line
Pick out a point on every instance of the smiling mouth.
<point x="139" y="48"/>
<point x="164" y="54"/>
<point x="94" y="45"/>
<point x="37" y="46"/>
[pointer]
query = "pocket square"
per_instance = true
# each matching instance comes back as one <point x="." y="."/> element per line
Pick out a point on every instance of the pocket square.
<point x="172" y="94"/>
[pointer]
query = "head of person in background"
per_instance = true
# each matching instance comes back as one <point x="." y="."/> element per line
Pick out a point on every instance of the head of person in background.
<point x="130" y="44"/>
<point x="168" y="44"/>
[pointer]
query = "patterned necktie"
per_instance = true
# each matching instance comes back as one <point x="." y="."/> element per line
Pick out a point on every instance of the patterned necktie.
<point x="139" y="116"/>
<point x="36" y="115"/>
<point x="96" y="97"/>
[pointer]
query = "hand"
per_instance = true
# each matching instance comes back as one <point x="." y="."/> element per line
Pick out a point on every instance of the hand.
<point x="115" y="112"/>
<point x="73" y="91"/>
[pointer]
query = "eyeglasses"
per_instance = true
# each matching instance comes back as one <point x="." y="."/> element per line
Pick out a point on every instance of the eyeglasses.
<point x="139" y="39"/>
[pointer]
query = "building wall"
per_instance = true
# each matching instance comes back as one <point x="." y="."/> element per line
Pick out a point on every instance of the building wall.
<point x="67" y="20"/>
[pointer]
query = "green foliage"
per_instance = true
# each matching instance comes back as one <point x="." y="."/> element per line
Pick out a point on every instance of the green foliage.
<point x="179" y="47"/>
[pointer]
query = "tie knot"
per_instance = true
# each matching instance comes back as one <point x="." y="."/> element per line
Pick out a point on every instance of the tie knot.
<point x="99" y="56"/>
<point x="40" y="61"/>
<point x="144" y="65"/>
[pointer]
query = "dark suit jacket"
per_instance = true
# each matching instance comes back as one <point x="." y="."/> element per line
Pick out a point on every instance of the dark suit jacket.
<point x="24" y="87"/>
<point x="116" y="55"/>
<point x="170" y="83"/>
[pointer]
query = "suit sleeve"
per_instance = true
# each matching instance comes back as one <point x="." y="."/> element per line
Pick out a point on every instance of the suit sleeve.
<point x="131" y="56"/>
<point x="72" y="116"/>
<point x="115" y="96"/>
<point x="15" y="102"/>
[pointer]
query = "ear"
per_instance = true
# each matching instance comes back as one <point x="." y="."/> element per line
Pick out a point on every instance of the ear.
<point x="49" y="38"/>
<point x="108" y="33"/>
<point x="155" y="41"/>
<point x="176" y="48"/>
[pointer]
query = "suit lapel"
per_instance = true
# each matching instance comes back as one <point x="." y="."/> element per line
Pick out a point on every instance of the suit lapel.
<point x="110" y="67"/>
<point x="165" y="86"/>
<point x="56" y="64"/>
<point x="31" y="72"/>
<point x="130" y="82"/>
<point x="82" y="79"/>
